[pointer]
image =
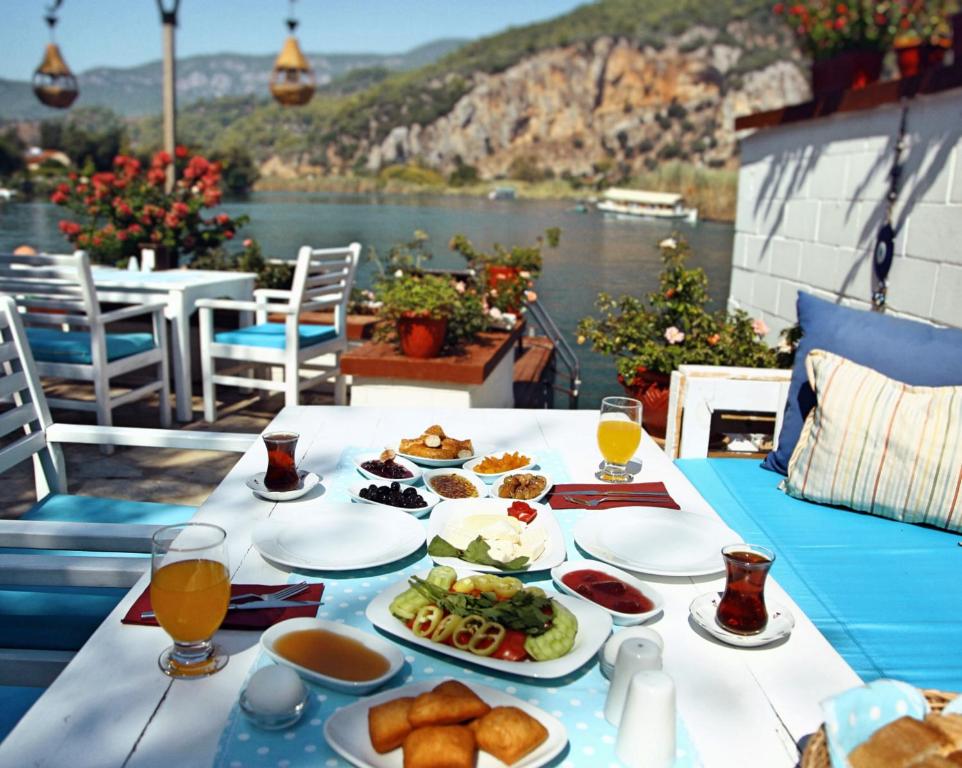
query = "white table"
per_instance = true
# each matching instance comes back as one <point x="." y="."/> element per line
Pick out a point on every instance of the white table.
<point x="181" y="288"/>
<point x="111" y="706"/>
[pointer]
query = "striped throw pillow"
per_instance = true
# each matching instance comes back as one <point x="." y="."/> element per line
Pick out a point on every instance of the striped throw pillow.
<point x="880" y="446"/>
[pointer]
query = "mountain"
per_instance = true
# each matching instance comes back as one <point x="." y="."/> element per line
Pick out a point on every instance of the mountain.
<point x="134" y="91"/>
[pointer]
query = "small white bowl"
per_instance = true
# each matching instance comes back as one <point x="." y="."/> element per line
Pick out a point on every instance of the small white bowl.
<point x="410" y="466"/>
<point x="472" y="478"/>
<point x="496" y="486"/>
<point x="431" y="498"/>
<point x="490" y="478"/>
<point x="622" y="619"/>
<point x="376" y="643"/>
<point x="308" y="481"/>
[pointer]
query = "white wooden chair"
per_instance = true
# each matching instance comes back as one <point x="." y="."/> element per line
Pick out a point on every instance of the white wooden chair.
<point x="323" y="278"/>
<point x="69" y="337"/>
<point x="35" y="643"/>
<point x="698" y="391"/>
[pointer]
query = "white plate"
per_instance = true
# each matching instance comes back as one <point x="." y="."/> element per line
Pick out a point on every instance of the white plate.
<point x="338" y="537"/>
<point x="594" y="626"/>
<point x="440" y="462"/>
<point x="375" y="642"/>
<point x="447" y="511"/>
<point x="621" y="619"/>
<point x="496" y="485"/>
<point x="398" y="459"/>
<point x="308" y="481"/>
<point x="472" y="478"/>
<point x="347" y="732"/>
<point x="781" y="622"/>
<point x="490" y="477"/>
<point x="431" y="498"/>
<point x="662" y="542"/>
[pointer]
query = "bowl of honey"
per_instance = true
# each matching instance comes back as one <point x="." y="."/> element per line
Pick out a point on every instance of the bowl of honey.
<point x="333" y="655"/>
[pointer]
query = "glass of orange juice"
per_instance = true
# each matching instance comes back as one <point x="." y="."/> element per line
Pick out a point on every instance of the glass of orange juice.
<point x="189" y="593"/>
<point x="619" y="433"/>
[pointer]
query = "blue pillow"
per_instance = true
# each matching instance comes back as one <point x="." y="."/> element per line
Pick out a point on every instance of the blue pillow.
<point x="905" y="350"/>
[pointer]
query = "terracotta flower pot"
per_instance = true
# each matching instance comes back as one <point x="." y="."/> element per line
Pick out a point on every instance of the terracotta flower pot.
<point x="915" y="59"/>
<point x="652" y="389"/>
<point x="847" y="71"/>
<point x="421" y="336"/>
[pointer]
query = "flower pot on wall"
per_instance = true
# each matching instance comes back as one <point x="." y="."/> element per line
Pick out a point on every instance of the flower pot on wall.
<point x="421" y="336"/>
<point x="500" y="274"/>
<point x="653" y="390"/>
<point x="846" y="71"/>
<point x="915" y="59"/>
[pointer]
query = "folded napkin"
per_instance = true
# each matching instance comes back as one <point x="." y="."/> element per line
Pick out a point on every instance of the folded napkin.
<point x="247" y="619"/>
<point x="556" y="500"/>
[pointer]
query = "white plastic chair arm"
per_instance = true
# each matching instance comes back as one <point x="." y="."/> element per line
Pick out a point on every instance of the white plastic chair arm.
<point x="38" y="570"/>
<point x="243" y="306"/>
<point x="152" y="438"/>
<point x="271" y="293"/>
<point x="132" y="311"/>
<point x="86" y="537"/>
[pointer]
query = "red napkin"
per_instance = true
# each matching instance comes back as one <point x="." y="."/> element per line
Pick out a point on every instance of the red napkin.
<point x="557" y="502"/>
<point x="248" y="619"/>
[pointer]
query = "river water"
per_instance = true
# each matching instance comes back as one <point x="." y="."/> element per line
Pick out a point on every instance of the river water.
<point x="597" y="253"/>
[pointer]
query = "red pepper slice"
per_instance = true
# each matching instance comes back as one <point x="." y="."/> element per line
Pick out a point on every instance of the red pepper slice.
<point x="522" y="512"/>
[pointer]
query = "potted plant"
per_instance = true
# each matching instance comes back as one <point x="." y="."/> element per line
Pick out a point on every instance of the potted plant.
<point x="921" y="35"/>
<point x="674" y="327"/>
<point x="119" y="212"/>
<point x="846" y="40"/>
<point x="427" y="313"/>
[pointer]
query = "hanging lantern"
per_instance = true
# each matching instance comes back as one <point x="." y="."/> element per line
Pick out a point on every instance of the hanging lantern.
<point x="53" y="82"/>
<point x="292" y="81"/>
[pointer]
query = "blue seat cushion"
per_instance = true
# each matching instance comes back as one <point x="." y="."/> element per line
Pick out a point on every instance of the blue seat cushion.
<point x="884" y="593"/>
<point x="904" y="350"/>
<point x="65" y="507"/>
<point x="272" y="335"/>
<point x="15" y="700"/>
<point x="53" y="346"/>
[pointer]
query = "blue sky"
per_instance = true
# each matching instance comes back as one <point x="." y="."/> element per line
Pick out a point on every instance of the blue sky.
<point x="126" y="32"/>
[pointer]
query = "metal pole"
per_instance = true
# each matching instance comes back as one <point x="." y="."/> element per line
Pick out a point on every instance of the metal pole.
<point x="169" y="20"/>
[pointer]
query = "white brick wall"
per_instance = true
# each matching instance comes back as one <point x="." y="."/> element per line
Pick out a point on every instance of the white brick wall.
<point x="811" y="198"/>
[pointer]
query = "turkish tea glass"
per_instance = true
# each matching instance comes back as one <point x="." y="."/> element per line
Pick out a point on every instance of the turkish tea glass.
<point x="281" y="471"/>
<point x="742" y="607"/>
<point x="189" y="593"/>
<point x="619" y="433"/>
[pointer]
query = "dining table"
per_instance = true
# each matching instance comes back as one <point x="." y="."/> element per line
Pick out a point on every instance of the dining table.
<point x="181" y="289"/>
<point x="112" y="706"/>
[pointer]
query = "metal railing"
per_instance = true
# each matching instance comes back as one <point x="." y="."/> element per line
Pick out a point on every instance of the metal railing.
<point x="563" y="350"/>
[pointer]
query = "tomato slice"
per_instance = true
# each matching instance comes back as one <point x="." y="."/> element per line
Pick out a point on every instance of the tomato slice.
<point x="522" y="512"/>
<point x="512" y="647"/>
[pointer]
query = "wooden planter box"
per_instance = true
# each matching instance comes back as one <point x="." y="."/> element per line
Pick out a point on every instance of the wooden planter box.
<point x="359" y="327"/>
<point x="480" y="377"/>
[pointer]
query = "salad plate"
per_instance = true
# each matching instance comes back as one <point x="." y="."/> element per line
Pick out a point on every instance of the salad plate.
<point x="338" y="537"/>
<point x="594" y="626"/>
<point x="460" y="521"/>
<point x="410" y="466"/>
<point x="781" y="622"/>
<point x="479" y="485"/>
<point x="431" y="498"/>
<point x="654" y="540"/>
<point x="620" y="618"/>
<point x="489" y="477"/>
<point x="347" y="729"/>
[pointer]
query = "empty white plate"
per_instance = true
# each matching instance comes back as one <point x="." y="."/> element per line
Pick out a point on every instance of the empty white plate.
<point x="338" y="537"/>
<point x="781" y="622"/>
<point x="662" y="542"/>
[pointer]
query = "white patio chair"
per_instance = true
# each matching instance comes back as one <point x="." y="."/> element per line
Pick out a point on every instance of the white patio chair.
<point x="69" y="337"/>
<point x="42" y="615"/>
<point x="323" y="278"/>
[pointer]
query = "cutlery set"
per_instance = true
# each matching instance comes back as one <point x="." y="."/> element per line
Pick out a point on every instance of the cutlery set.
<point x="592" y="499"/>
<point x="252" y="601"/>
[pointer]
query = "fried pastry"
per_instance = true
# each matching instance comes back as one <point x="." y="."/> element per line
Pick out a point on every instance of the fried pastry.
<point x="950" y="725"/>
<point x="440" y="746"/>
<point x="434" y="444"/>
<point x="388" y="724"/>
<point x="955" y="757"/>
<point x="899" y="744"/>
<point x="449" y="703"/>
<point x="933" y="761"/>
<point x="508" y="733"/>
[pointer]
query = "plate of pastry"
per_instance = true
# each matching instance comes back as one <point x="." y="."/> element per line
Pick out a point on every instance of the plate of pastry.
<point x="431" y="722"/>
<point x="435" y="448"/>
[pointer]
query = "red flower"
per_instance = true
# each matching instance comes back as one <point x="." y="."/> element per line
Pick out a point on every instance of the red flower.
<point x="82" y="239"/>
<point x="122" y="235"/>
<point x="161" y="159"/>
<point x="97" y="241"/>
<point x="180" y="209"/>
<point x="156" y="176"/>
<point x="779" y="8"/>
<point x="58" y="198"/>
<point x="841" y="8"/>
<point x="69" y="228"/>
<point x="222" y="219"/>
<point x="180" y="151"/>
<point x="228" y="234"/>
<point x="172" y="220"/>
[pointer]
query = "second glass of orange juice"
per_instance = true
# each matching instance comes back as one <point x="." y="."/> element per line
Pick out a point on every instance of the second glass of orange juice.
<point x="619" y="433"/>
<point x="189" y="593"/>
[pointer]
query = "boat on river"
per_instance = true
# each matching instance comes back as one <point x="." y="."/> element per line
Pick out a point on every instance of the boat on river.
<point x="648" y="205"/>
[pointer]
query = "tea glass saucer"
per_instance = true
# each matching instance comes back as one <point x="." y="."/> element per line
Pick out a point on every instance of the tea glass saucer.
<point x="308" y="481"/>
<point x="780" y="622"/>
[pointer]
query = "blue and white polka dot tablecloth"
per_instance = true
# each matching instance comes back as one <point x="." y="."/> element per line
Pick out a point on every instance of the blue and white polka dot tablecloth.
<point x="577" y="700"/>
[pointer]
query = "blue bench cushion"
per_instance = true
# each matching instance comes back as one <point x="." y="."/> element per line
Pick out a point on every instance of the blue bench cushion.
<point x="53" y="346"/>
<point x="65" y="507"/>
<point x="884" y="593"/>
<point x="15" y="700"/>
<point x="272" y="335"/>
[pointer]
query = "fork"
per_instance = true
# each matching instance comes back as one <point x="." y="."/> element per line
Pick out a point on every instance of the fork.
<point x="282" y="594"/>
<point x="592" y="503"/>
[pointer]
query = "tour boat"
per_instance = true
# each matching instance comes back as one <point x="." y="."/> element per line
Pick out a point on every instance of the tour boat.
<point x="652" y="205"/>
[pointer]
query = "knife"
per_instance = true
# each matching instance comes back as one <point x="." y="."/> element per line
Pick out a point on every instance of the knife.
<point x="260" y="605"/>
<point x="611" y="493"/>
